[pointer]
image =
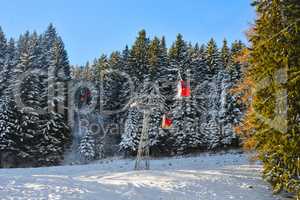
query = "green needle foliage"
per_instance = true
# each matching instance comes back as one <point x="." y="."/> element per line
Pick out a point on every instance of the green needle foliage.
<point x="275" y="70"/>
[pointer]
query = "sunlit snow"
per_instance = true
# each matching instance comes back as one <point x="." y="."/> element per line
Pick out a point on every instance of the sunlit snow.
<point x="208" y="177"/>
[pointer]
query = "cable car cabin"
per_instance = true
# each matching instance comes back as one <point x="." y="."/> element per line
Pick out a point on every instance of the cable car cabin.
<point x="166" y="122"/>
<point x="84" y="97"/>
<point x="183" y="89"/>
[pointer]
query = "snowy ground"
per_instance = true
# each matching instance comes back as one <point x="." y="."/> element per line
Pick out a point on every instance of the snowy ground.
<point x="204" y="177"/>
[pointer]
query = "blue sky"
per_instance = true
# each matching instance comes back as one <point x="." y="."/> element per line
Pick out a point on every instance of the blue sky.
<point x="92" y="27"/>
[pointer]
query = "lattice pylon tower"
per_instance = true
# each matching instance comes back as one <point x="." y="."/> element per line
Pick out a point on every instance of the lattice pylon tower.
<point x="148" y="101"/>
<point x="143" y="158"/>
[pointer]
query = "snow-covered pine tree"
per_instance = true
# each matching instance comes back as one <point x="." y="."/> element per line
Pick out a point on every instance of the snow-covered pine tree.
<point x="230" y="110"/>
<point x="225" y="54"/>
<point x="62" y="73"/>
<point x="3" y="47"/>
<point x="100" y="149"/>
<point x="98" y="69"/>
<point x="58" y="72"/>
<point x="212" y="92"/>
<point x="110" y="82"/>
<point x="55" y="138"/>
<point x="54" y="62"/>
<point x="121" y="85"/>
<point x="109" y="87"/>
<point x="125" y="56"/>
<point x="114" y="97"/>
<point x="179" y="61"/>
<point x="166" y="77"/>
<point x="11" y="64"/>
<point x="10" y="131"/>
<point x="184" y="133"/>
<point x="138" y="58"/>
<point x="102" y="65"/>
<point x="227" y="135"/>
<point x="205" y="63"/>
<point x="31" y="86"/>
<point x="179" y="56"/>
<point x="166" y="81"/>
<point x="199" y="80"/>
<point x="160" y="84"/>
<point x="125" y="95"/>
<point x="3" y="62"/>
<point x="235" y="108"/>
<point x="216" y="108"/>
<point x="11" y="140"/>
<point x="211" y="131"/>
<point x="211" y="83"/>
<point x="235" y="68"/>
<point x="92" y="71"/>
<point x="217" y="128"/>
<point x="131" y="136"/>
<point x="212" y="58"/>
<point x="87" y="147"/>
<point x="155" y="135"/>
<point x="154" y="58"/>
<point x="30" y="90"/>
<point x="32" y="55"/>
<point x="57" y="67"/>
<point x="47" y="41"/>
<point x="148" y="98"/>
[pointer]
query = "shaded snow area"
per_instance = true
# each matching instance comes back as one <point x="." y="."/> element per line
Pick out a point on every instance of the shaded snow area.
<point x="208" y="177"/>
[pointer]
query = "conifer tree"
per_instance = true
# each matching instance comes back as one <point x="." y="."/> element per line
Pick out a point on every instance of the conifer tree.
<point x="58" y="75"/>
<point x="226" y="124"/>
<point x="185" y="117"/>
<point x="274" y="54"/>
<point x="235" y="68"/>
<point x="179" y="56"/>
<point x="154" y="54"/>
<point x="11" y="64"/>
<point x="212" y="57"/>
<point x="185" y="134"/>
<point x="3" y="62"/>
<point x="199" y="80"/>
<point x="225" y="54"/>
<point x="132" y="131"/>
<point x="87" y="147"/>
<point x="166" y="76"/>
<point x="138" y="58"/>
<point x="102" y="65"/>
<point x="112" y="83"/>
<point x="150" y="97"/>
<point x="3" y="48"/>
<point x="31" y="90"/>
<point x="124" y="65"/>
<point x="163" y="56"/>
<point x="10" y="130"/>
<point x="211" y="131"/>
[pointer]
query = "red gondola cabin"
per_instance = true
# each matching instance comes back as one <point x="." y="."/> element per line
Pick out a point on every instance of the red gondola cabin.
<point x="166" y="122"/>
<point x="184" y="89"/>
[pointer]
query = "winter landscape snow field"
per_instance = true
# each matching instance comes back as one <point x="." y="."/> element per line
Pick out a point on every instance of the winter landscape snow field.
<point x="209" y="177"/>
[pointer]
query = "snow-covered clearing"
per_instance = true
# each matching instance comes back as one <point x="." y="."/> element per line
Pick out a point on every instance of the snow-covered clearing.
<point x="208" y="177"/>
